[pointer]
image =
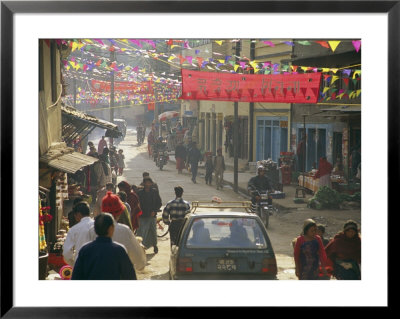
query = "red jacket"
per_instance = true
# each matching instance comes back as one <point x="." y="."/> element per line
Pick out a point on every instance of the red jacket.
<point x="322" y="255"/>
<point x="344" y="248"/>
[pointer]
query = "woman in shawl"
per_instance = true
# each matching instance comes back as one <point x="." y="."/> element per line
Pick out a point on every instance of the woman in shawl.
<point x="324" y="172"/>
<point x="133" y="200"/>
<point x="309" y="253"/>
<point x="344" y="250"/>
<point x="180" y="156"/>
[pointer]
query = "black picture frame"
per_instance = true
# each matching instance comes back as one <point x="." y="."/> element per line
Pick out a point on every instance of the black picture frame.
<point x="9" y="8"/>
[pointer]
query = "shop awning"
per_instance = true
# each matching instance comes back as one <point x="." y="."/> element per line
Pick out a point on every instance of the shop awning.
<point x="343" y="108"/>
<point x="67" y="160"/>
<point x="328" y="61"/>
<point x="76" y="123"/>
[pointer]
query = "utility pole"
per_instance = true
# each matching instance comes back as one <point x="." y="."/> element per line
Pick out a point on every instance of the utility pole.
<point x="251" y="105"/>
<point x="74" y="92"/>
<point x="236" y="132"/>
<point x="112" y="59"/>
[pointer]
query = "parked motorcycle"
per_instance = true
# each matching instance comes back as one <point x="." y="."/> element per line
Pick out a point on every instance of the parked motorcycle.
<point x="162" y="159"/>
<point x="263" y="207"/>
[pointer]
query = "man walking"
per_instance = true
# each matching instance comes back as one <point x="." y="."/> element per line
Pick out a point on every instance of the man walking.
<point x="219" y="168"/>
<point x="103" y="259"/>
<point x="194" y="156"/>
<point x="174" y="212"/>
<point x="145" y="175"/>
<point x="150" y="202"/>
<point x="78" y="235"/>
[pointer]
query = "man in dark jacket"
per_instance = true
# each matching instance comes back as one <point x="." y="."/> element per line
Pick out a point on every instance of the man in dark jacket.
<point x="150" y="202"/>
<point x="194" y="156"/>
<point x="103" y="259"/>
<point x="258" y="183"/>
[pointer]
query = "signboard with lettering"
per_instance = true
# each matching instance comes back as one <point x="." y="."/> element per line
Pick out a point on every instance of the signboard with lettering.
<point x="276" y="88"/>
<point x="145" y="87"/>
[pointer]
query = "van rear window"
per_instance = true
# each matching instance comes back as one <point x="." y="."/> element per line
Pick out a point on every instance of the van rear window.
<point x="226" y="232"/>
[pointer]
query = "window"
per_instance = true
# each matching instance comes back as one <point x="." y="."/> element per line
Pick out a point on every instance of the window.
<point x="198" y="42"/>
<point x="272" y="136"/>
<point x="315" y="146"/>
<point x="226" y="232"/>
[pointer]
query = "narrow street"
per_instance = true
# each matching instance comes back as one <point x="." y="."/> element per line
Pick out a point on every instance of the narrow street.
<point x="137" y="161"/>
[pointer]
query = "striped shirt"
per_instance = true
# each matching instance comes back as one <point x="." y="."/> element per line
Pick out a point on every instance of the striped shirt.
<point x="175" y="209"/>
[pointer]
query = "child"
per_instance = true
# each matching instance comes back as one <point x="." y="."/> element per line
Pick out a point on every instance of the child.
<point x="321" y="232"/>
<point x="120" y="161"/>
<point x="209" y="169"/>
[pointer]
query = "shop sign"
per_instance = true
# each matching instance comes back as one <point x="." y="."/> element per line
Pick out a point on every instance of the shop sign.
<point x="284" y="124"/>
<point x="276" y="88"/>
<point x="145" y="87"/>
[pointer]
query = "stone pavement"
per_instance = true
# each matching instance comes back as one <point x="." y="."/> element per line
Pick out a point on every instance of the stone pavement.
<point x="243" y="178"/>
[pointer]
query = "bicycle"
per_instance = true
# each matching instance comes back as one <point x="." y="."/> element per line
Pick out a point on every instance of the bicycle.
<point x="162" y="229"/>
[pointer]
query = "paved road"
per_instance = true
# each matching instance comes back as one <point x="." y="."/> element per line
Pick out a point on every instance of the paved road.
<point x="137" y="161"/>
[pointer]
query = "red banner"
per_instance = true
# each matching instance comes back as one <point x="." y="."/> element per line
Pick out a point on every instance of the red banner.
<point x="134" y="87"/>
<point x="150" y="106"/>
<point x="277" y="88"/>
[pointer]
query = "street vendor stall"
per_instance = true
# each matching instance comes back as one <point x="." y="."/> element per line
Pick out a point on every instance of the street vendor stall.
<point x="312" y="183"/>
<point x="56" y="168"/>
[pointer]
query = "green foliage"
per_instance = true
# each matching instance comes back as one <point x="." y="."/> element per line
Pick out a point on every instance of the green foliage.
<point x="314" y="203"/>
<point x="326" y="198"/>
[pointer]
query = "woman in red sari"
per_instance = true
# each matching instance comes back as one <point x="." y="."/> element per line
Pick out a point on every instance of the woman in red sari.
<point x="324" y="172"/>
<point x="309" y="253"/>
<point x="133" y="200"/>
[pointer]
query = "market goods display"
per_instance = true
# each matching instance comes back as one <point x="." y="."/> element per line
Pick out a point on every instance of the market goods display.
<point x="298" y="200"/>
<point x="74" y="190"/>
<point x="66" y="272"/>
<point x="326" y="198"/>
<point x="268" y="164"/>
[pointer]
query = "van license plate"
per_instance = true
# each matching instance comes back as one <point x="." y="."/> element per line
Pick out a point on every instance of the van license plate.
<point x="226" y="265"/>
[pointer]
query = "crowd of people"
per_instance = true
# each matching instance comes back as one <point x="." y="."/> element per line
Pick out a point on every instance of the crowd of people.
<point x="112" y="245"/>
<point x="108" y="238"/>
<point x="190" y="156"/>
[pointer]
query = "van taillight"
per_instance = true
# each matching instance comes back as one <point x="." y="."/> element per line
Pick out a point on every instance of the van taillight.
<point x="269" y="266"/>
<point x="185" y="265"/>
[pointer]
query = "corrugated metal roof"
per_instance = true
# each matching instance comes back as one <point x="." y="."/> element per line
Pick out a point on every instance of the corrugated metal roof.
<point x="70" y="111"/>
<point x="67" y="161"/>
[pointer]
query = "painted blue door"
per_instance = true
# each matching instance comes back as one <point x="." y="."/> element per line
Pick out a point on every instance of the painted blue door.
<point x="271" y="138"/>
<point x="316" y="145"/>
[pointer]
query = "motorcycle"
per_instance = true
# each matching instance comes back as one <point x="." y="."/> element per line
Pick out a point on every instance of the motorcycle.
<point x="263" y="207"/>
<point x="162" y="159"/>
